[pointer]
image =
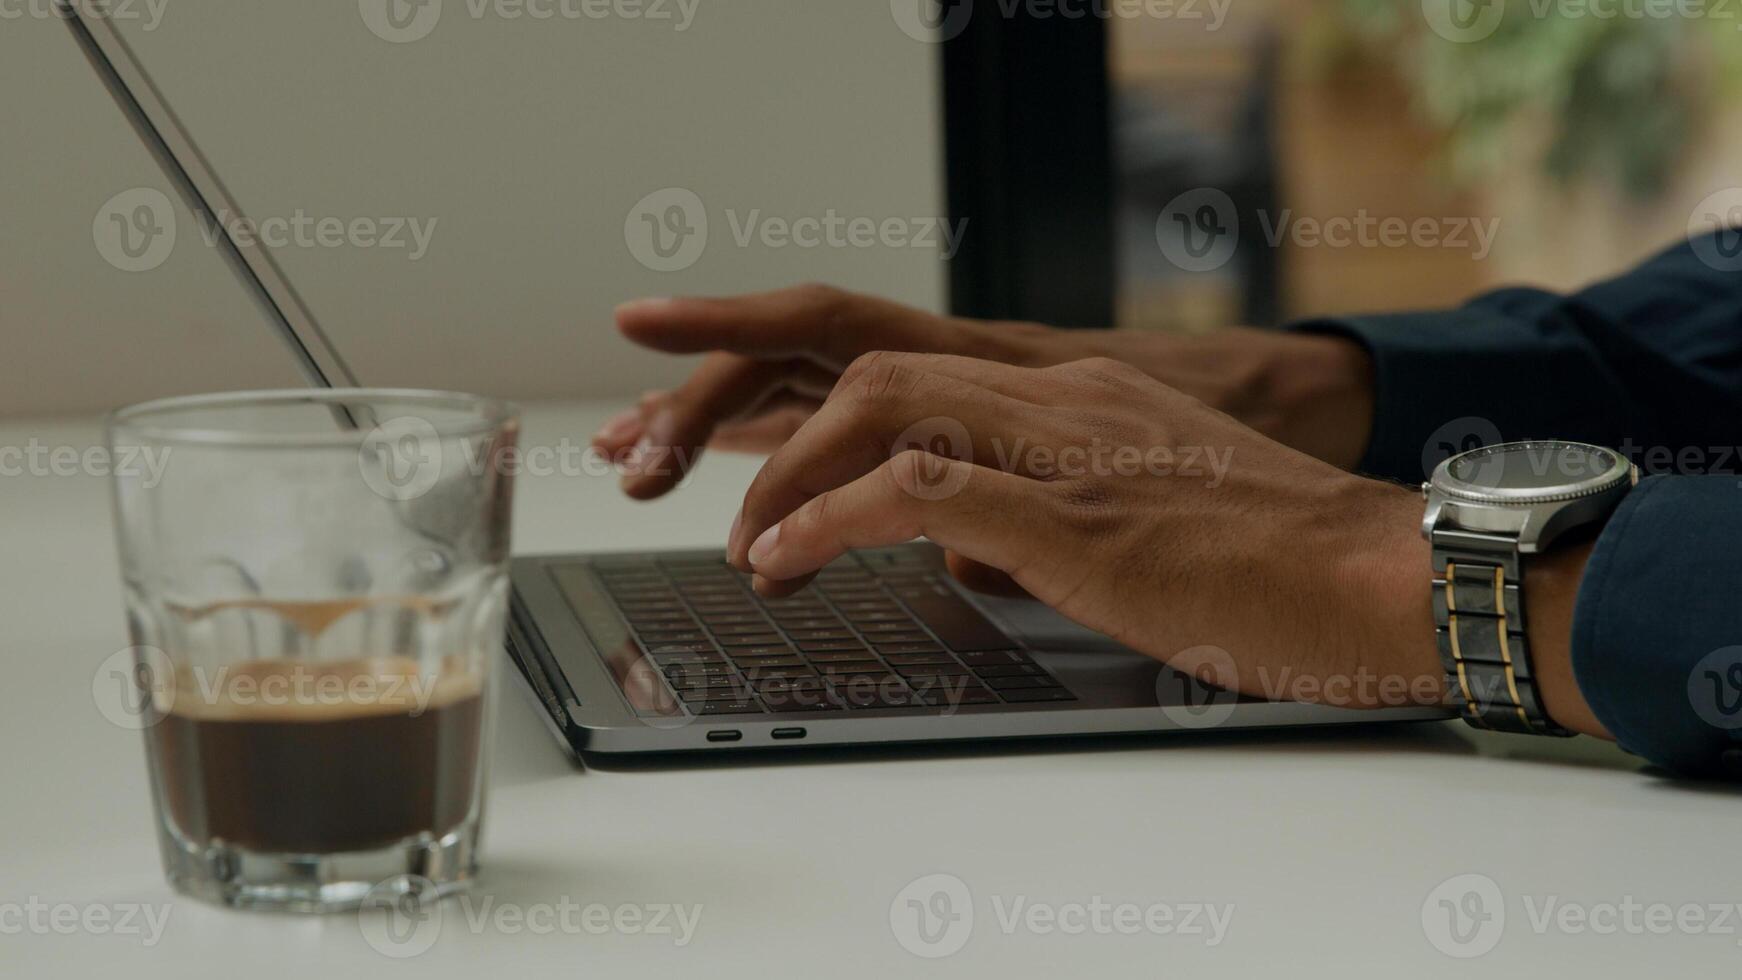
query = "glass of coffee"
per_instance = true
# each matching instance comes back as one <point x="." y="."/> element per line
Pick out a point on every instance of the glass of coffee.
<point x="316" y="585"/>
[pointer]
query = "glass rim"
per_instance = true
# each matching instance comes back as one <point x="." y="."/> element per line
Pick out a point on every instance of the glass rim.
<point x="487" y="414"/>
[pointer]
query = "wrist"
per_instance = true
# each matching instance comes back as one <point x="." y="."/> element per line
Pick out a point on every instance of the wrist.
<point x="1387" y="590"/>
<point x="1320" y="392"/>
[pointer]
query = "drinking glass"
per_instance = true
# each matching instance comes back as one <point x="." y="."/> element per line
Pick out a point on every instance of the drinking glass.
<point x="316" y="586"/>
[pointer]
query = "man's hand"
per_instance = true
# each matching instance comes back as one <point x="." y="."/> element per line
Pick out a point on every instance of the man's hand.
<point x="774" y="357"/>
<point x="1128" y="506"/>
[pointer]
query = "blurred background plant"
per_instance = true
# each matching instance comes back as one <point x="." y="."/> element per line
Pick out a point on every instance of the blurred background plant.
<point x="1614" y="94"/>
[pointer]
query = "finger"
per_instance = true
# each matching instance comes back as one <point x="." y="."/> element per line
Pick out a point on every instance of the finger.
<point x="992" y="517"/>
<point x="819" y="321"/>
<point x="983" y="578"/>
<point x="619" y="432"/>
<point x="894" y="402"/>
<point x="677" y="426"/>
<point x="770" y="426"/>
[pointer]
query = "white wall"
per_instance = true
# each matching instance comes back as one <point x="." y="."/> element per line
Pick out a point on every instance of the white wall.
<point x="527" y="142"/>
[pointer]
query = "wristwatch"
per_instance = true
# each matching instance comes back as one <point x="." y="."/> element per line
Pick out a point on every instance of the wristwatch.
<point x="1485" y="509"/>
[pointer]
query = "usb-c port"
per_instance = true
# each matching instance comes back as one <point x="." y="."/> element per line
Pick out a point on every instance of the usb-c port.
<point x="725" y="735"/>
<point x="785" y="733"/>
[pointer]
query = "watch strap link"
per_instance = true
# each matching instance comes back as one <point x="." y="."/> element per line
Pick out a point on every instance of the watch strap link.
<point x="1479" y="621"/>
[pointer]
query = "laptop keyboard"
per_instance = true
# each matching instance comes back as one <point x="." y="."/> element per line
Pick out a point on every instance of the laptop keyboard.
<point x="878" y="630"/>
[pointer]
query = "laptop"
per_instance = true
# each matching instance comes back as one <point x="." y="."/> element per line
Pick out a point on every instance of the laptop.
<point x="672" y="652"/>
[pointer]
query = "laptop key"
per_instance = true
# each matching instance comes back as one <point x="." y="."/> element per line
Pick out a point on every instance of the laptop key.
<point x="1019" y="683"/>
<point x="739" y="707"/>
<point x="755" y="662"/>
<point x="714" y="693"/>
<point x="665" y="648"/>
<point x="855" y="655"/>
<point x="831" y="646"/>
<point x="939" y="697"/>
<point x="1011" y="670"/>
<point x="1038" y="694"/>
<point x="762" y="650"/>
<point x="987" y="658"/>
<point x="933" y="670"/>
<point x="838" y="634"/>
<point x="753" y="640"/>
<point x="897" y="649"/>
<point x="909" y="659"/>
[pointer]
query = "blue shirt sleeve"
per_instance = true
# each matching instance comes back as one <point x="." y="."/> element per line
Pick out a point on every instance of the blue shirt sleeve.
<point x="1649" y="363"/>
<point x="1657" y="628"/>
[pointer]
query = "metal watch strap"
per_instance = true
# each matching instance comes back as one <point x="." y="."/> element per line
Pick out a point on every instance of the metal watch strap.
<point x="1479" y="620"/>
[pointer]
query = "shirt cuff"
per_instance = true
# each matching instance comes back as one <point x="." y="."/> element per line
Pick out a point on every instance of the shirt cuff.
<point x="1442" y="378"/>
<point x="1656" y="625"/>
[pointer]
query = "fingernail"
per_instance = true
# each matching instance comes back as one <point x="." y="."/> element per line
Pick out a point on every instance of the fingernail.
<point x="661" y="426"/>
<point x="619" y="425"/>
<point x="637" y="455"/>
<point x="649" y="304"/>
<point x="765" y="545"/>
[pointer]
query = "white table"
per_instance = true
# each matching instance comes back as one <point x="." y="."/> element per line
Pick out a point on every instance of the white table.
<point x="1326" y="844"/>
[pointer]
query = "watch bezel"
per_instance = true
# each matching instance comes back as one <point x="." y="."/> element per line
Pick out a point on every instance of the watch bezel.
<point x="1620" y="472"/>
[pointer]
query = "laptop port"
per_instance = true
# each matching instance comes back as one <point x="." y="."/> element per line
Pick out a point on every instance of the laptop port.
<point x="786" y="733"/>
<point x="725" y="735"/>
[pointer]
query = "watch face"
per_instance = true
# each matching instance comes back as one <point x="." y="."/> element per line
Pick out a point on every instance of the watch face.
<point x="1533" y="470"/>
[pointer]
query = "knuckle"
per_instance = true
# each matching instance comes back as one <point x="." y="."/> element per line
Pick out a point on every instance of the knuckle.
<point x="1087" y="507"/>
<point x="878" y="376"/>
<point x="906" y="471"/>
<point x="824" y="303"/>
